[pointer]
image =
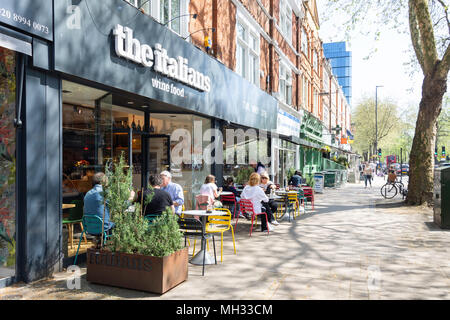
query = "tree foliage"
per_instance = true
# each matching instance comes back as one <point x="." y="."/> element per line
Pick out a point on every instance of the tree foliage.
<point x="429" y="28"/>
<point x="364" y="118"/>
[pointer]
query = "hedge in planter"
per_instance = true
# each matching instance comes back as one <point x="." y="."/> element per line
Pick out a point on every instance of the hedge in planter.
<point x="138" y="255"/>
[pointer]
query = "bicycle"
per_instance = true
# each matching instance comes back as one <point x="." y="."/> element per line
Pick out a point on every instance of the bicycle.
<point x="390" y="189"/>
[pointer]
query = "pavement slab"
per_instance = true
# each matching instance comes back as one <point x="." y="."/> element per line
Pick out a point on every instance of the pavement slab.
<point x="355" y="245"/>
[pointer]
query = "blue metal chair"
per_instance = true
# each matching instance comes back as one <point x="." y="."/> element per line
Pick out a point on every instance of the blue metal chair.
<point x="91" y="225"/>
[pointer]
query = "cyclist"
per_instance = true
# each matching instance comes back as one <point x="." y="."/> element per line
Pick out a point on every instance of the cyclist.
<point x="392" y="176"/>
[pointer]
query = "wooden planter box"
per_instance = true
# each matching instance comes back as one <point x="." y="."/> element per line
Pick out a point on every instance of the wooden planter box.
<point x="135" y="271"/>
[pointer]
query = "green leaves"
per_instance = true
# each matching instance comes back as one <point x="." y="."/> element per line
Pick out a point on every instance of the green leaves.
<point x="132" y="233"/>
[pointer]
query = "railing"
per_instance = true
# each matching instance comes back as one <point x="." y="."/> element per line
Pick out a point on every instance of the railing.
<point x="331" y="165"/>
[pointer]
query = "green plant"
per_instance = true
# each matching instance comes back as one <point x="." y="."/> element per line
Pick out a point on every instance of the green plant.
<point x="290" y="173"/>
<point x="244" y="175"/>
<point x="164" y="236"/>
<point x="310" y="180"/>
<point x="132" y="233"/>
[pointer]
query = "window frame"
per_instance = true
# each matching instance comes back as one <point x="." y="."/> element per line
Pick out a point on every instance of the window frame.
<point x="285" y="17"/>
<point x="251" y="51"/>
<point x="284" y="82"/>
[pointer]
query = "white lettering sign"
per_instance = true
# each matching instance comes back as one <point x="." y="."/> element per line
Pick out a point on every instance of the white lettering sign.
<point x="177" y="68"/>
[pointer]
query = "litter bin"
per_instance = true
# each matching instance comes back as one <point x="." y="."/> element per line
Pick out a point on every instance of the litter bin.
<point x="330" y="179"/>
<point x="441" y="195"/>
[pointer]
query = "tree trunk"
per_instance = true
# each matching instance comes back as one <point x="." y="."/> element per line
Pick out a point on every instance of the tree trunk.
<point x="421" y="161"/>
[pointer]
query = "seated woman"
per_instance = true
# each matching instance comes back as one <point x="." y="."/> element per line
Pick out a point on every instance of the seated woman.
<point x="229" y="187"/>
<point x="267" y="186"/>
<point x="256" y="195"/>
<point x="209" y="188"/>
<point x="160" y="199"/>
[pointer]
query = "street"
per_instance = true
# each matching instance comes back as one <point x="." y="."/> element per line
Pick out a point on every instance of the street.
<point x="355" y="245"/>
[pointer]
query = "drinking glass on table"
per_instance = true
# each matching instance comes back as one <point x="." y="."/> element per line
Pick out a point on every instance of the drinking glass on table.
<point x="220" y="189"/>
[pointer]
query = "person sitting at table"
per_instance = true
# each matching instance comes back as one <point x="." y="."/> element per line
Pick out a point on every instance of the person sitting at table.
<point x="267" y="186"/>
<point x="229" y="187"/>
<point x="296" y="179"/>
<point x="94" y="202"/>
<point x="209" y="188"/>
<point x="160" y="199"/>
<point x="174" y="189"/>
<point x="256" y="195"/>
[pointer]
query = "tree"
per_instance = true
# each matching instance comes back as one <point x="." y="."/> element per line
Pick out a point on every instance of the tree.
<point x="364" y="120"/>
<point x="429" y="28"/>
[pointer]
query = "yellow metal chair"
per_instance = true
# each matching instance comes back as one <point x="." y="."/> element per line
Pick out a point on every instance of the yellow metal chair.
<point x="221" y="223"/>
<point x="293" y="201"/>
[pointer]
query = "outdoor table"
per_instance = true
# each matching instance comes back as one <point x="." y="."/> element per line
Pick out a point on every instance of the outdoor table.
<point x="68" y="206"/>
<point x="198" y="258"/>
<point x="226" y="193"/>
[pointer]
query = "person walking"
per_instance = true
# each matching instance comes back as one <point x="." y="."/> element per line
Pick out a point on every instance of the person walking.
<point x="368" y="172"/>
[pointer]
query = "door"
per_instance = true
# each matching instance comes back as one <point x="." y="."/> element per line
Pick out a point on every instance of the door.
<point x="158" y="154"/>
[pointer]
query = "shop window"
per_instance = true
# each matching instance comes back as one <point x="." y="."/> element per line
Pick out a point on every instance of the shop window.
<point x="241" y="148"/>
<point x="7" y="163"/>
<point x="247" y="52"/>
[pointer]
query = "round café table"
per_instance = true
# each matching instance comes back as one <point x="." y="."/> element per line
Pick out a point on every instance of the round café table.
<point x="226" y="193"/>
<point x="198" y="258"/>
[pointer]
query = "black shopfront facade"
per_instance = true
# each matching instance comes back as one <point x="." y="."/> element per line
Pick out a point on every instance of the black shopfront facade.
<point x="107" y="80"/>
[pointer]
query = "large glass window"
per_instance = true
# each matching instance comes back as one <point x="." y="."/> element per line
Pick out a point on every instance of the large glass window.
<point x="247" y="53"/>
<point x="7" y="163"/>
<point x="285" y="84"/>
<point x="242" y="148"/>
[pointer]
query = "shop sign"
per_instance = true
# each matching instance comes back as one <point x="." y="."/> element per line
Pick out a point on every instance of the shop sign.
<point x="126" y="46"/>
<point x="318" y="182"/>
<point x="287" y="124"/>
<point x="31" y="16"/>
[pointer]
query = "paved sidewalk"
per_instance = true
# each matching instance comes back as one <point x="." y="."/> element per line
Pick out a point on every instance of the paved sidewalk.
<point x="355" y="245"/>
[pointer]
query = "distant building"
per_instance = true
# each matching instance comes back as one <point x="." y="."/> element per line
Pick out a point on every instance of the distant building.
<point x="341" y="62"/>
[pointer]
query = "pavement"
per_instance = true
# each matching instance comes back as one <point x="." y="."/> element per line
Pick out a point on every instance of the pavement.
<point x="354" y="245"/>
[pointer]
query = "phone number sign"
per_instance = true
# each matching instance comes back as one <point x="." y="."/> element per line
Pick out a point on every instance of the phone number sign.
<point x="31" y="16"/>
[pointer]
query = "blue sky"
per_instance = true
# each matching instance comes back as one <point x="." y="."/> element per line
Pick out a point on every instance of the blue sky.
<point x="384" y="67"/>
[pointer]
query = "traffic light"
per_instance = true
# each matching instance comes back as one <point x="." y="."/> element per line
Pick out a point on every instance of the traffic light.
<point x="443" y="151"/>
<point x="435" y="152"/>
<point x="379" y="152"/>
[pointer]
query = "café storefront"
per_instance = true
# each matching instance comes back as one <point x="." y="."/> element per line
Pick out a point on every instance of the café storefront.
<point x="108" y="80"/>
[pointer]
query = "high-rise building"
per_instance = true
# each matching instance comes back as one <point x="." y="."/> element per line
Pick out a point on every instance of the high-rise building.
<point x="341" y="62"/>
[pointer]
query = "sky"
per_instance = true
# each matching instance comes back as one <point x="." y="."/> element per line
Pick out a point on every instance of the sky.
<point x="383" y="68"/>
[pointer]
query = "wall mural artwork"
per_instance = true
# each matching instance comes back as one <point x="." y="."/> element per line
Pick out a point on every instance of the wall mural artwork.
<point x="7" y="161"/>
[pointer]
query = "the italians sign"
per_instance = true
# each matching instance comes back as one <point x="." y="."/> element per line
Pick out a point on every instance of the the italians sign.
<point x="128" y="47"/>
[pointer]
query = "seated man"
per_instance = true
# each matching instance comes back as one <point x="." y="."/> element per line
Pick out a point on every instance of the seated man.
<point x="296" y="179"/>
<point x="174" y="189"/>
<point x="160" y="199"/>
<point x="94" y="202"/>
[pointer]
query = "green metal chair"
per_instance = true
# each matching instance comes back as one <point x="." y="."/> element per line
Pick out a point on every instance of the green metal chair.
<point x="92" y="225"/>
<point x="151" y="218"/>
<point x="301" y="198"/>
<point x="75" y="217"/>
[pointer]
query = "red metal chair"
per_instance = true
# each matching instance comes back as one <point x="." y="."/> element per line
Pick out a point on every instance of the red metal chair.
<point x="309" y="194"/>
<point x="246" y="205"/>
<point x="228" y="200"/>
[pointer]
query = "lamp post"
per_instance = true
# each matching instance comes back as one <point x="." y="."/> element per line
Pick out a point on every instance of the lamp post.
<point x="376" y="122"/>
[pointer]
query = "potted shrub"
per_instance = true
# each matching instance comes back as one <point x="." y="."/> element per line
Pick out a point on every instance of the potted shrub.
<point x="138" y="255"/>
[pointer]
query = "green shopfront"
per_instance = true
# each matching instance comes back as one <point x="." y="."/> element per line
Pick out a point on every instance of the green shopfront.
<point x="311" y="144"/>
<point x="105" y="80"/>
